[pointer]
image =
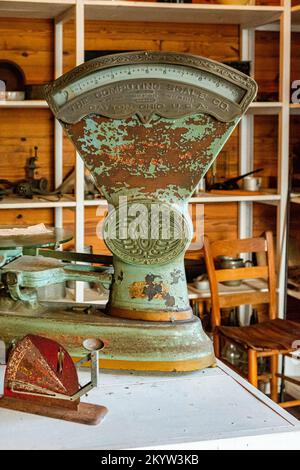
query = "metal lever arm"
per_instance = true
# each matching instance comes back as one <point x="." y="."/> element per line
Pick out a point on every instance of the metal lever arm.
<point x="79" y="257"/>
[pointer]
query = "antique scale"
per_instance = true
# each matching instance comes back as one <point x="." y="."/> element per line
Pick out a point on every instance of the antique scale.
<point x="147" y="125"/>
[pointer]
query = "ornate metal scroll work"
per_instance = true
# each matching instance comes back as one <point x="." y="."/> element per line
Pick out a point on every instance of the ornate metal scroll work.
<point x="144" y="57"/>
<point x="147" y="233"/>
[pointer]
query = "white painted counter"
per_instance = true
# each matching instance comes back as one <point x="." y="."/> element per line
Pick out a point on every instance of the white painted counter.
<point x="210" y="409"/>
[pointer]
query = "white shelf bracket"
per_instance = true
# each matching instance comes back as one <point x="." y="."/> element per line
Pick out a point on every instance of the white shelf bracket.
<point x="246" y="137"/>
<point x="58" y="135"/>
<point x="283" y="151"/>
<point x="79" y="214"/>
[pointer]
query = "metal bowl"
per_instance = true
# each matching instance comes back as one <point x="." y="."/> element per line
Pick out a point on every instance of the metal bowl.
<point x="229" y="262"/>
<point x="201" y="283"/>
<point x="15" y="95"/>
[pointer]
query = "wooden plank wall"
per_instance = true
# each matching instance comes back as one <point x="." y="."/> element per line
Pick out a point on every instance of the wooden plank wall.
<point x="30" y="44"/>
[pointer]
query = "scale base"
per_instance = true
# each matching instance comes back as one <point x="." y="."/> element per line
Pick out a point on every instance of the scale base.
<point x="179" y="346"/>
<point x="86" y="413"/>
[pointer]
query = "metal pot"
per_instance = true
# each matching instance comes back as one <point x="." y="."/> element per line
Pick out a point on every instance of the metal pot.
<point x="229" y="262"/>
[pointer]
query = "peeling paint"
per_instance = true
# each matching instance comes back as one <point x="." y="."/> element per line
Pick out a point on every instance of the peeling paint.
<point x="148" y="289"/>
<point x="125" y="155"/>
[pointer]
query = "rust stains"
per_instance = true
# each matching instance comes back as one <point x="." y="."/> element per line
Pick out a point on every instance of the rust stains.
<point x="151" y="289"/>
<point x="128" y="153"/>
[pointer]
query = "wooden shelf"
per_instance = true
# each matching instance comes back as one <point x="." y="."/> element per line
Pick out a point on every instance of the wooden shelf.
<point x="95" y="202"/>
<point x="233" y="197"/>
<point x="245" y="15"/>
<point x="247" y="285"/>
<point x="36" y="202"/>
<point x="69" y="201"/>
<point x="294" y="108"/>
<point x="265" y="107"/>
<point x="34" y="8"/>
<point x="295" y="198"/>
<point x="211" y="198"/>
<point x="296" y="15"/>
<point x="25" y="104"/>
<point x="254" y="108"/>
<point x="293" y="293"/>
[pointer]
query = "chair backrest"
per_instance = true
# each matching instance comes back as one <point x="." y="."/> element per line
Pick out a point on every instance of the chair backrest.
<point x="260" y="246"/>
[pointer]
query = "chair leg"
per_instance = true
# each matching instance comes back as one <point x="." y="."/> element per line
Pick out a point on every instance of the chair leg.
<point x="281" y="393"/>
<point x="274" y="378"/>
<point x="195" y="307"/>
<point x="217" y="345"/>
<point x="252" y="367"/>
<point x="200" y="311"/>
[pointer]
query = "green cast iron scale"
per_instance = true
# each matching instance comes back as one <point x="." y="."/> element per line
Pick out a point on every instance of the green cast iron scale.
<point x="147" y="125"/>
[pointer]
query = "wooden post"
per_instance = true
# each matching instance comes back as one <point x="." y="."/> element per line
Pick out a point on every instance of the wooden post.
<point x="274" y="378"/>
<point x="246" y="151"/>
<point x="252" y="366"/>
<point x="58" y="143"/>
<point x="283" y="149"/>
<point x="79" y="222"/>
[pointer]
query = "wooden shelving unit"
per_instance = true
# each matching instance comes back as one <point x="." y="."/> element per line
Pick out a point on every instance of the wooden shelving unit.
<point x="293" y="293"/>
<point x="26" y="104"/>
<point x="295" y="199"/>
<point x="295" y="108"/>
<point x="296" y="15"/>
<point x="38" y="202"/>
<point x="263" y="108"/>
<point x="207" y="198"/>
<point x="34" y="8"/>
<point x="248" y="17"/>
<point x="256" y="108"/>
<point x="244" y="15"/>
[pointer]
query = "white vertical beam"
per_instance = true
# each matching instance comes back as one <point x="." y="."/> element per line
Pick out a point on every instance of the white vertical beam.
<point x="58" y="136"/>
<point x="79" y="217"/>
<point x="283" y="149"/>
<point x="65" y="16"/>
<point x="246" y="137"/>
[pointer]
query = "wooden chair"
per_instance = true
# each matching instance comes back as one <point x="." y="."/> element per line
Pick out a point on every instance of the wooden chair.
<point x="270" y="338"/>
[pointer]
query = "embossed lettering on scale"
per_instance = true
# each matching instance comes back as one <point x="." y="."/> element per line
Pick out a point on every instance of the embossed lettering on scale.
<point x="147" y="98"/>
